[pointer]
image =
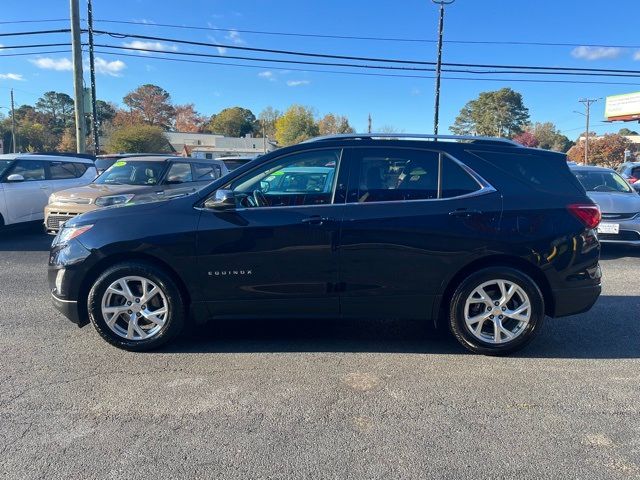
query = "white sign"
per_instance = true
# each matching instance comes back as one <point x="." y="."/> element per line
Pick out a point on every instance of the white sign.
<point x="621" y="105"/>
<point x="609" y="228"/>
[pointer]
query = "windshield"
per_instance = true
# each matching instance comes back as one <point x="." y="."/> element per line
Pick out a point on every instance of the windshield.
<point x="4" y="164"/>
<point x="602" y="181"/>
<point x="132" y="173"/>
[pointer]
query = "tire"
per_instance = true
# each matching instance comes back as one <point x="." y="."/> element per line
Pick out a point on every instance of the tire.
<point x="154" y="326"/>
<point x="478" y="335"/>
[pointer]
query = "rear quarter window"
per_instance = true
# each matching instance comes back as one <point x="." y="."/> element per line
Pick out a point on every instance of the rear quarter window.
<point x="549" y="173"/>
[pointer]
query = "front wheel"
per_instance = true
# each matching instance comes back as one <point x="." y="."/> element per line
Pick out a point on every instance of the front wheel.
<point x="136" y="306"/>
<point x="496" y="311"/>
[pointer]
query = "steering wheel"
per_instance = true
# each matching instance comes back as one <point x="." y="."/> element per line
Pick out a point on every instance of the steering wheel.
<point x="257" y="199"/>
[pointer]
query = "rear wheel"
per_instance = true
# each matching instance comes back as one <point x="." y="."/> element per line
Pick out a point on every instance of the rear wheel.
<point x="496" y="311"/>
<point x="136" y="306"/>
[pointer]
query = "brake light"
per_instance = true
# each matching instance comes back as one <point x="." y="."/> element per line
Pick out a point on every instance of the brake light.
<point x="588" y="214"/>
<point x="632" y="179"/>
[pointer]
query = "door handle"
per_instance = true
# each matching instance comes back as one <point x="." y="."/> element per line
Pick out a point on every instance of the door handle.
<point x="465" y="213"/>
<point x="161" y="192"/>
<point x="44" y="188"/>
<point x="315" y="220"/>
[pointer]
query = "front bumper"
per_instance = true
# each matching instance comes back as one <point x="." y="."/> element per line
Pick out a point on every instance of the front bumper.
<point x="629" y="233"/>
<point x="69" y="308"/>
<point x="55" y="214"/>
<point x="572" y="301"/>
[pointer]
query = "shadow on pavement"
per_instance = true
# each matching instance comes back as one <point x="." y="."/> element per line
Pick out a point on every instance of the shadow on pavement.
<point x="610" y="330"/>
<point x="614" y="252"/>
<point x="24" y="239"/>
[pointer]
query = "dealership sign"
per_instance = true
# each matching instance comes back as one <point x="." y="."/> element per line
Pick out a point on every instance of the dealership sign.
<point x="623" y="107"/>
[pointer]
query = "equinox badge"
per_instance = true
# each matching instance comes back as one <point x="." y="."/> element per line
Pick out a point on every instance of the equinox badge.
<point x="222" y="273"/>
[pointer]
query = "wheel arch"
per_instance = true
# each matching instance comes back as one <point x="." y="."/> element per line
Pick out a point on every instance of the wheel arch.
<point x="97" y="269"/>
<point x="441" y="310"/>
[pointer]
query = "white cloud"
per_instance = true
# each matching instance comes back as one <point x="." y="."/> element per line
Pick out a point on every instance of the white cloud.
<point x="59" y="64"/>
<point x="636" y="56"/>
<point x="212" y="39"/>
<point x="415" y="92"/>
<point x="11" y="76"/>
<point x="112" y="68"/>
<point x="155" y="46"/>
<point x="234" y="37"/>
<point x="596" y="53"/>
<point x="297" y="83"/>
<point x="268" y="74"/>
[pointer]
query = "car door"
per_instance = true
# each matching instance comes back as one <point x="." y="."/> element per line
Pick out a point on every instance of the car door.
<point x="26" y="199"/>
<point x="412" y="218"/>
<point x="65" y="174"/>
<point x="276" y="257"/>
<point x="178" y="180"/>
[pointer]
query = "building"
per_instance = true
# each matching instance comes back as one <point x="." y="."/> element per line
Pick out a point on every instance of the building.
<point x="205" y="144"/>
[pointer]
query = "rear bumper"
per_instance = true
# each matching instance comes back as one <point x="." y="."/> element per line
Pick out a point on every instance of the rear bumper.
<point x="69" y="308"/>
<point x="572" y="301"/>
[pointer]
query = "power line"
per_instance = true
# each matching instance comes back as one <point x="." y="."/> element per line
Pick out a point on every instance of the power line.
<point x="11" y="22"/>
<point x="35" y="32"/>
<point x="349" y="57"/>
<point x="369" y="38"/>
<point x="46" y="52"/>
<point x="104" y="52"/>
<point x="37" y="45"/>
<point x="354" y="65"/>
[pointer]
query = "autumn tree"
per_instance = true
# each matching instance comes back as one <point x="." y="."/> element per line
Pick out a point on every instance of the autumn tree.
<point x="187" y="119"/>
<point x="233" y="122"/>
<point x="332" y="124"/>
<point x="606" y="151"/>
<point x="138" y="138"/>
<point x="68" y="141"/>
<point x="58" y="109"/>
<point x="499" y="113"/>
<point x="527" y="139"/>
<point x="267" y="119"/>
<point x="152" y="104"/>
<point x="296" y="125"/>
<point x="549" y="137"/>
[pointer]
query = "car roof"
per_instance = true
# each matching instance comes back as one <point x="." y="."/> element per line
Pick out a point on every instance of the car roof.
<point x="237" y="157"/>
<point x="49" y="158"/>
<point x="128" y="155"/>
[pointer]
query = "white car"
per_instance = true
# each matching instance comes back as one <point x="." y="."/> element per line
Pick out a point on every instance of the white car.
<point x="27" y="180"/>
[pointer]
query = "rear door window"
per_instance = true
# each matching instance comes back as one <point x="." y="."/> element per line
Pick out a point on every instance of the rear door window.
<point x="179" y="173"/>
<point x="203" y="172"/>
<point x="62" y="170"/>
<point x="31" y="170"/>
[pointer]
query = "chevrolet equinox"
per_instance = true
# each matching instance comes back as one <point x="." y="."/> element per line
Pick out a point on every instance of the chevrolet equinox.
<point x="480" y="234"/>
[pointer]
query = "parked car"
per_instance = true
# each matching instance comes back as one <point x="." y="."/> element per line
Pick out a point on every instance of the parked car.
<point x="105" y="161"/>
<point x="229" y="162"/>
<point x="630" y="171"/>
<point x="27" y="180"/>
<point x="131" y="180"/>
<point x="480" y="234"/>
<point x="619" y="203"/>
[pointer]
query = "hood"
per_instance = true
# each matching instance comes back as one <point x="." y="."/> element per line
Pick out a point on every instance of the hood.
<point x="611" y="202"/>
<point x="95" y="190"/>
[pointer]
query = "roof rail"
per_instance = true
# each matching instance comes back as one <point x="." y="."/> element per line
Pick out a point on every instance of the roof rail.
<point x="410" y="136"/>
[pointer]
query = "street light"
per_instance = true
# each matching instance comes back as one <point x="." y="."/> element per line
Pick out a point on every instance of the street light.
<point x="436" y="116"/>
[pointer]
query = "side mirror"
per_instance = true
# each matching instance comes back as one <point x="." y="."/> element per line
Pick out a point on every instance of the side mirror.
<point x="221" y="200"/>
<point x="15" y="177"/>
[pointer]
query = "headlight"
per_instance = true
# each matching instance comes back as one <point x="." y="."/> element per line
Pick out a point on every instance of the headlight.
<point x="69" y="233"/>
<point x="113" y="200"/>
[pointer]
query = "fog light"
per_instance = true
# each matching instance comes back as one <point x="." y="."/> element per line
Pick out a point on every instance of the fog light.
<point x="59" y="278"/>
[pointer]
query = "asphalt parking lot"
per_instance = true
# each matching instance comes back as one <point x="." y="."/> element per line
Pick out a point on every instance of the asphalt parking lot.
<point x="304" y="400"/>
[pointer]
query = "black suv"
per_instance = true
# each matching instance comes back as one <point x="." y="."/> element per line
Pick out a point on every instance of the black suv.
<point x="477" y="233"/>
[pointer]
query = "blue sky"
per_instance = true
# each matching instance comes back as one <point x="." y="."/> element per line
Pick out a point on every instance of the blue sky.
<point x="404" y="103"/>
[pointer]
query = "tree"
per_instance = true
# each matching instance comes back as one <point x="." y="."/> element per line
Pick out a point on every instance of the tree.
<point x="527" y="139"/>
<point x="138" y="138"/>
<point x="296" y="125"/>
<point x="267" y="119"/>
<point x="547" y="137"/>
<point x="68" y="141"/>
<point x="187" y="119"/>
<point x="332" y="124"/>
<point x="626" y="132"/>
<point x="58" y="108"/>
<point x="233" y="122"/>
<point x="105" y="111"/>
<point x="153" y="104"/>
<point x="499" y="113"/>
<point x="606" y="151"/>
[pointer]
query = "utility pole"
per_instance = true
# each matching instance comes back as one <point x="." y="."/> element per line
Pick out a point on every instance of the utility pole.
<point x="264" y="138"/>
<point x="92" y="71"/>
<point x="77" y="76"/>
<point x="436" y="115"/>
<point x="369" y="131"/>
<point x="587" y="104"/>
<point x="13" y="124"/>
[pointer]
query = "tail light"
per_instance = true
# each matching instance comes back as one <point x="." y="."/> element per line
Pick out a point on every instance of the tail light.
<point x="587" y="213"/>
<point x="632" y="179"/>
